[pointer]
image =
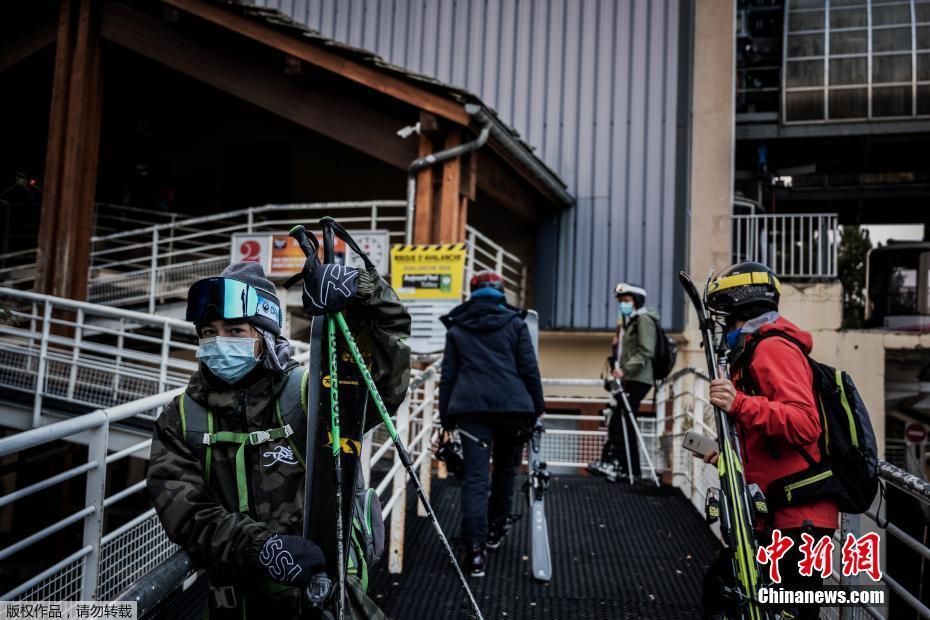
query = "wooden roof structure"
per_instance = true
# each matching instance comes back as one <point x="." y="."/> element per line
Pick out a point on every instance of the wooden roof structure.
<point x="354" y="97"/>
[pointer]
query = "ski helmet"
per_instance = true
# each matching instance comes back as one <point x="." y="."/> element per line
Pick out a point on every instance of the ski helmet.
<point x="744" y="290"/>
<point x="638" y="293"/>
<point x="487" y="279"/>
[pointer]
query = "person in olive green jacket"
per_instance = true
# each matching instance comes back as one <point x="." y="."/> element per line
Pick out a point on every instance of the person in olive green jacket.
<point x="633" y="349"/>
<point x="239" y="512"/>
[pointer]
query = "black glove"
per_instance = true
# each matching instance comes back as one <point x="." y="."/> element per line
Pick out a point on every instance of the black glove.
<point x="291" y="560"/>
<point x="328" y="288"/>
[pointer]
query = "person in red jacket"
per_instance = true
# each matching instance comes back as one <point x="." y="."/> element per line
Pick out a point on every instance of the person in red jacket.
<point x="771" y="403"/>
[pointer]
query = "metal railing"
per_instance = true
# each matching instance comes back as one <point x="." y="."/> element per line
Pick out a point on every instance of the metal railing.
<point x="87" y="354"/>
<point x="158" y="262"/>
<point x="153" y="263"/>
<point x="17" y="269"/>
<point x="795" y="246"/>
<point x="682" y="405"/>
<point x="106" y="564"/>
<point x="483" y="254"/>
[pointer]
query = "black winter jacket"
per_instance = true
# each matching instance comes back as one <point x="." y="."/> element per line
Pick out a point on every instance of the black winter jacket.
<point x="489" y="363"/>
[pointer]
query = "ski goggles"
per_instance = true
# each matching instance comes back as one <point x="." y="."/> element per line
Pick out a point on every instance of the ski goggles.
<point x="229" y="299"/>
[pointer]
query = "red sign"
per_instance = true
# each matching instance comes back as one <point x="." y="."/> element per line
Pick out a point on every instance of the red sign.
<point x="915" y="432"/>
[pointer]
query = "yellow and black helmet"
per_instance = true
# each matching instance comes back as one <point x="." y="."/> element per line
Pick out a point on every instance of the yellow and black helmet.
<point x="745" y="288"/>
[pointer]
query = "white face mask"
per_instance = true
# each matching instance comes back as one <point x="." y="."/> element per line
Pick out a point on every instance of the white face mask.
<point x="230" y="359"/>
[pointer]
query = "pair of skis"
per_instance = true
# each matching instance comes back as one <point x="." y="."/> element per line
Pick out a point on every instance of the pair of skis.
<point x="736" y="509"/>
<point x="536" y="487"/>
<point x="335" y="322"/>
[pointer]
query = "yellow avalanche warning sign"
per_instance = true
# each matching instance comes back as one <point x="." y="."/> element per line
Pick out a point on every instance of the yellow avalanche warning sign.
<point x="428" y="271"/>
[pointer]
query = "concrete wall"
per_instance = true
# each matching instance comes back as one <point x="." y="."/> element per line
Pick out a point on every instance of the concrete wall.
<point x="573" y="355"/>
<point x="814" y="306"/>
<point x="712" y="144"/>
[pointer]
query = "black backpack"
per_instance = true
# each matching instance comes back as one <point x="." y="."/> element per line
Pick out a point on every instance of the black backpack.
<point x="666" y="353"/>
<point x="848" y="468"/>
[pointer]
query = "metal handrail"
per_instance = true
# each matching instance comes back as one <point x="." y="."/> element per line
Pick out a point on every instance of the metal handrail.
<point x="161" y="260"/>
<point x="89" y="354"/>
<point x="414" y="418"/>
<point x="97" y="425"/>
<point x="802" y="245"/>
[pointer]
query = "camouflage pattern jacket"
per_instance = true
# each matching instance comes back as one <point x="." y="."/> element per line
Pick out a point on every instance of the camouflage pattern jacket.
<point x="202" y="516"/>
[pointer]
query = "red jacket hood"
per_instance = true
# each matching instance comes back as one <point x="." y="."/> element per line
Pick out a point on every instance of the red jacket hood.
<point x="784" y="325"/>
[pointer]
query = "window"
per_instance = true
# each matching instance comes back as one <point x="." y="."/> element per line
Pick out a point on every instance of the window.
<point x="856" y="60"/>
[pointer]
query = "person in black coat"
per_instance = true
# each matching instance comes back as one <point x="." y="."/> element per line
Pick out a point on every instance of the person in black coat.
<point x="490" y="388"/>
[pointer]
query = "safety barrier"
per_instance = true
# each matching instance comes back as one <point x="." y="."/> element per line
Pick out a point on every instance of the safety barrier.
<point x="89" y="355"/>
<point x="682" y="404"/>
<point x="799" y="246"/>
<point x="103" y="563"/>
<point x="154" y="263"/>
<point x="107" y="564"/>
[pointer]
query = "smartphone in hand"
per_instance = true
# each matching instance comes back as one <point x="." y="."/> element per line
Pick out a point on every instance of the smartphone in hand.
<point x="699" y="444"/>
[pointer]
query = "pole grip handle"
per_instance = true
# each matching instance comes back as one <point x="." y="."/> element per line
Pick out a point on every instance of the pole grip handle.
<point x="299" y="233"/>
<point x="329" y="241"/>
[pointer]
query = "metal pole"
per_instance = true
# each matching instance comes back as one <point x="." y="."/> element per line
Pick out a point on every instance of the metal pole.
<point x="75" y="353"/>
<point x="154" y="271"/>
<point x="40" y="372"/>
<point x="120" y="340"/>
<point x="165" y="350"/>
<point x="399" y="489"/>
<point x="470" y="240"/>
<point x="429" y="397"/>
<point x="95" y="491"/>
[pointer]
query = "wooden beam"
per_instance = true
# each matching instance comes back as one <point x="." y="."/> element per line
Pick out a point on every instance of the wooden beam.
<point x="448" y="215"/>
<point x="520" y="171"/>
<point x="498" y="182"/>
<point x="426" y="197"/>
<point x="379" y="80"/>
<point x="66" y="222"/>
<point x="470" y="176"/>
<point x="24" y="46"/>
<point x="323" y="111"/>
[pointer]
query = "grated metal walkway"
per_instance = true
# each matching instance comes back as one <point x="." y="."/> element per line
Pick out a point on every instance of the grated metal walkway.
<point x="618" y="552"/>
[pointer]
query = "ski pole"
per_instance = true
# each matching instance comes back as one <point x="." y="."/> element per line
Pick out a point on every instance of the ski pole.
<point x="402" y="453"/>
<point x="481" y="442"/>
<point x="639" y="437"/>
<point x="329" y="258"/>
<point x="405" y="458"/>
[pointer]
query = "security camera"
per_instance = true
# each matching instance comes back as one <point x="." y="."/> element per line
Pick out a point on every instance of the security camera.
<point x="408" y="131"/>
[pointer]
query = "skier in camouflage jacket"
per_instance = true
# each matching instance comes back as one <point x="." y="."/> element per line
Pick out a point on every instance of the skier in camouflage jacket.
<point x="240" y="548"/>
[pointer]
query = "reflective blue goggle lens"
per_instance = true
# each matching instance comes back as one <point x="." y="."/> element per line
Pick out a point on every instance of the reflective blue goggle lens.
<point x="223" y="298"/>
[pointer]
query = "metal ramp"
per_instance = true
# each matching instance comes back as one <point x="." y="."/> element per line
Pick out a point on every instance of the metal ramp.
<point x="618" y="552"/>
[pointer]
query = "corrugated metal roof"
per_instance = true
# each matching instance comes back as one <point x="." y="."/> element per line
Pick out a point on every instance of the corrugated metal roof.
<point x="601" y="89"/>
